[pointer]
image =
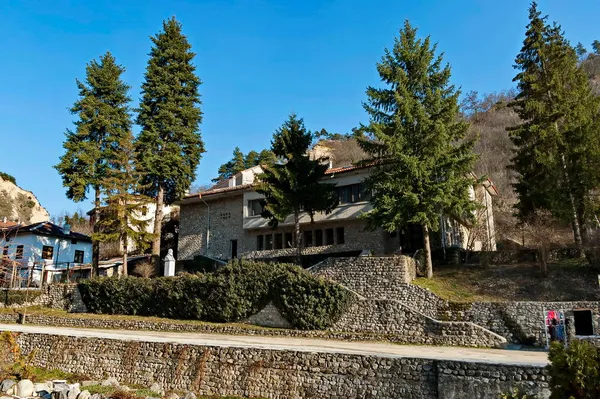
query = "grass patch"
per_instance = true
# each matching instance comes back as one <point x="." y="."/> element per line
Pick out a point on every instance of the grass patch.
<point x="569" y="280"/>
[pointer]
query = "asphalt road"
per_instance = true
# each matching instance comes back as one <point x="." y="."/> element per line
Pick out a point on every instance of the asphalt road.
<point x="498" y="356"/>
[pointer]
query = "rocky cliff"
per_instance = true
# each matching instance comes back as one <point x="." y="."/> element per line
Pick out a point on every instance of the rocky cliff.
<point x="17" y="204"/>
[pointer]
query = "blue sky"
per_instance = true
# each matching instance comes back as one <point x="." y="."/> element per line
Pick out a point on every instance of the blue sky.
<point x="259" y="61"/>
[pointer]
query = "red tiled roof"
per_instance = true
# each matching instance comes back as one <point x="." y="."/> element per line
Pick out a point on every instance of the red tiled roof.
<point x="5" y="225"/>
<point x="219" y="189"/>
<point x="213" y="191"/>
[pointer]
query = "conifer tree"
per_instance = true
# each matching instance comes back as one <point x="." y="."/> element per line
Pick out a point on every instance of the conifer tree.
<point x="102" y="98"/>
<point x="557" y="154"/>
<point x="233" y="166"/>
<point x="417" y="144"/>
<point x="169" y="146"/>
<point x="121" y="214"/>
<point x="294" y="185"/>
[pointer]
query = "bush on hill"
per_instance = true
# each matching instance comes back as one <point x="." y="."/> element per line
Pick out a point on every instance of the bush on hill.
<point x="231" y="294"/>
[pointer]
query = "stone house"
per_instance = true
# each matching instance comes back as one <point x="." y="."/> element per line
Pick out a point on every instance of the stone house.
<point x="224" y="222"/>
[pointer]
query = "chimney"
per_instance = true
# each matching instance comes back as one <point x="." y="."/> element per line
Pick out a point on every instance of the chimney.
<point x="67" y="228"/>
<point x="4" y="219"/>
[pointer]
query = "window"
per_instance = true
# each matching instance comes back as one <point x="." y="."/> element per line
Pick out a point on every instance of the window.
<point x="47" y="252"/>
<point x="289" y="240"/>
<point x="278" y="241"/>
<point x="339" y="232"/>
<point x="5" y="251"/>
<point x="78" y="256"/>
<point x="260" y="243"/>
<point x="255" y="207"/>
<point x="329" y="237"/>
<point x="19" y="253"/>
<point x="269" y="241"/>
<point x="318" y="238"/>
<point x="353" y="193"/>
<point x="308" y="239"/>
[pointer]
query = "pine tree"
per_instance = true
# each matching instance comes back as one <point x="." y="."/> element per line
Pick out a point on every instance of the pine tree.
<point x="557" y="154"/>
<point x="233" y="166"/>
<point x="240" y="162"/>
<point x="169" y="146"/>
<point x="294" y="185"/>
<point x="421" y="159"/>
<point x="83" y="166"/>
<point x="121" y="214"/>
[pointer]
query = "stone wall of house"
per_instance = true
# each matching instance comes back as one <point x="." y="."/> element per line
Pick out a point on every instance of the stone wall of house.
<point x="226" y="224"/>
<point x="385" y="316"/>
<point x="254" y="372"/>
<point x="369" y="276"/>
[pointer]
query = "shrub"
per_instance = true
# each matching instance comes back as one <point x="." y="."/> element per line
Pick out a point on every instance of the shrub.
<point x="233" y="293"/>
<point x="310" y="303"/>
<point x="574" y="371"/>
<point x="144" y="269"/>
<point x="516" y="394"/>
<point x="18" y="297"/>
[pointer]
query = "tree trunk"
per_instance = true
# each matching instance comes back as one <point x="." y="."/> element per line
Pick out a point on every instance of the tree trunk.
<point x="575" y="215"/>
<point x="125" y="250"/>
<point x="427" y="252"/>
<point x="95" y="242"/>
<point x="297" y="237"/>
<point x="158" y="217"/>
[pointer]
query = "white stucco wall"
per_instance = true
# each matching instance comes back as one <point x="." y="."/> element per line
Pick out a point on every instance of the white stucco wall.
<point x="64" y="250"/>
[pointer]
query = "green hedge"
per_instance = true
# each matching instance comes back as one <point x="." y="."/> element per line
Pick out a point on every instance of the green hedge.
<point x="18" y="297"/>
<point x="231" y="294"/>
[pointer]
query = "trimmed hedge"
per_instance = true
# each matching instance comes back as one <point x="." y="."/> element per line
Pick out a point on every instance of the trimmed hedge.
<point x="231" y="294"/>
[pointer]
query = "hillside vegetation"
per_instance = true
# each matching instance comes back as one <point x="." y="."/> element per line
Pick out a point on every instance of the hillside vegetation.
<point x="567" y="281"/>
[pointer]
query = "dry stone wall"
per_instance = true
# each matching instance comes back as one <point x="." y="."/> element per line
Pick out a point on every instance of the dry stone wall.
<point x="369" y="276"/>
<point x="277" y="374"/>
<point x="55" y="296"/>
<point x="386" y="316"/>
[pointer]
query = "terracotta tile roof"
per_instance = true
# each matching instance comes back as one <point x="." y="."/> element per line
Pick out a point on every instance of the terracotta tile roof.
<point x="221" y="187"/>
<point x="6" y="225"/>
<point x="213" y="191"/>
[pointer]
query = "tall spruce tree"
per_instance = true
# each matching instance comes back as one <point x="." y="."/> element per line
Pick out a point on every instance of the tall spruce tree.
<point x="101" y="109"/>
<point x="418" y="150"/>
<point x="233" y="166"/>
<point x="294" y="185"/>
<point x="121" y="216"/>
<point x="169" y="146"/>
<point x="557" y="155"/>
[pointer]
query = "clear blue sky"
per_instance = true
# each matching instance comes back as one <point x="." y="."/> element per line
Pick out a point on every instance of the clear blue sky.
<point x="259" y="61"/>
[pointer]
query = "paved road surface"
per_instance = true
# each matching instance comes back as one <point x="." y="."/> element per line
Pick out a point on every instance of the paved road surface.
<point x="537" y="358"/>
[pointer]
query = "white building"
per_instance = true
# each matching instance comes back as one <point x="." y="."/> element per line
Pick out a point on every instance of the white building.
<point x="44" y="251"/>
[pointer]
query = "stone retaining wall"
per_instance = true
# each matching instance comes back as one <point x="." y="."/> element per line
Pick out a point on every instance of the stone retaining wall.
<point x="369" y="276"/>
<point x="394" y="318"/>
<point x="278" y="374"/>
<point x="518" y="322"/>
<point x="55" y="296"/>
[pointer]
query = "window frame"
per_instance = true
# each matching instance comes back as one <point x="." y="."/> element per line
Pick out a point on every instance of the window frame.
<point x="329" y="236"/>
<point x="19" y="252"/>
<point x="47" y="252"/>
<point x="339" y="241"/>
<point x="251" y="208"/>
<point x="77" y="252"/>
